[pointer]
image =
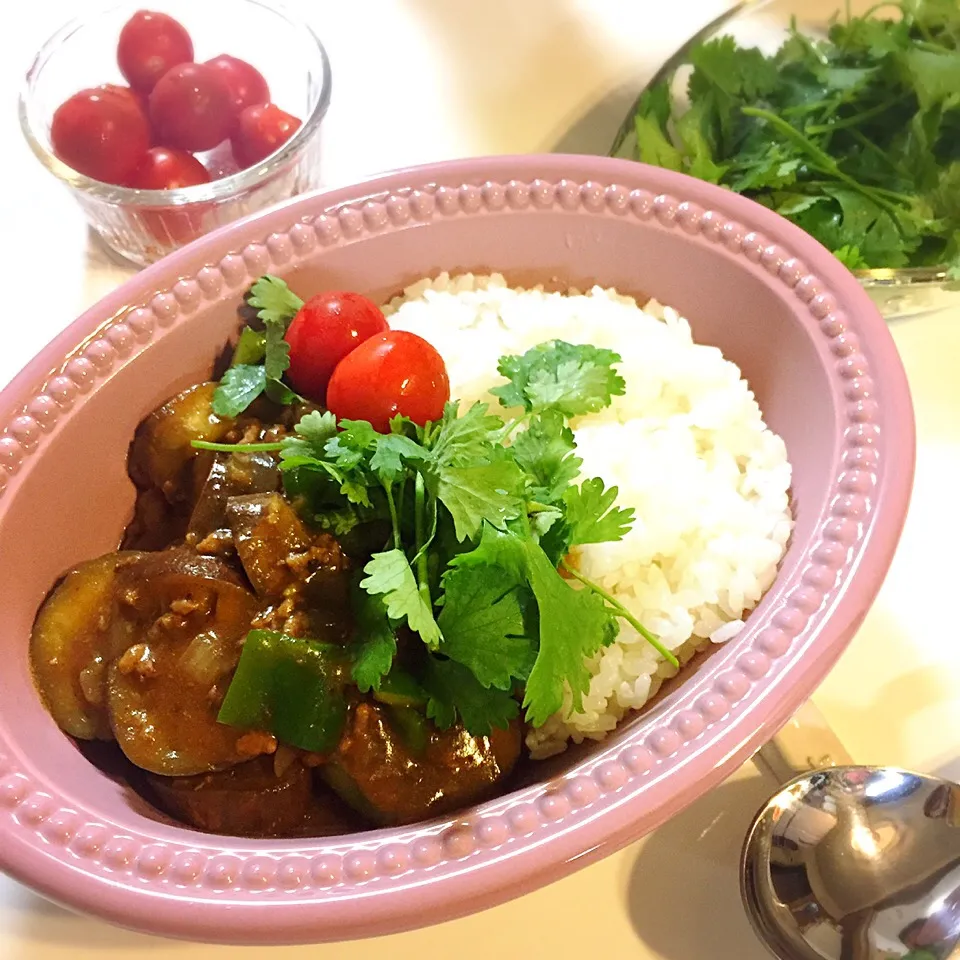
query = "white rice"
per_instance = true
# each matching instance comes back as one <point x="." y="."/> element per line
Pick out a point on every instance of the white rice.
<point x="686" y="445"/>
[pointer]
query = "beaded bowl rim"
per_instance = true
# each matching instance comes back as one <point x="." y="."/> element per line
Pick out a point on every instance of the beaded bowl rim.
<point x="142" y="874"/>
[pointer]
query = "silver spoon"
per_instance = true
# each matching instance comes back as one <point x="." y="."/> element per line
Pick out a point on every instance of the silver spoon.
<point x="854" y="863"/>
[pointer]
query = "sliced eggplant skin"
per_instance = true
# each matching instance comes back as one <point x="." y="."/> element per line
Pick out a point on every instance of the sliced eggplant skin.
<point x="231" y="475"/>
<point x="267" y="532"/>
<point x="70" y="647"/>
<point x="378" y="774"/>
<point x="303" y="574"/>
<point x="252" y="800"/>
<point x="162" y="449"/>
<point x="248" y="800"/>
<point x="163" y="715"/>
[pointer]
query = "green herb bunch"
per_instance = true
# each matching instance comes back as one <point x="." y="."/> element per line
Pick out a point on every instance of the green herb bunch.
<point x="854" y="137"/>
<point x="479" y="516"/>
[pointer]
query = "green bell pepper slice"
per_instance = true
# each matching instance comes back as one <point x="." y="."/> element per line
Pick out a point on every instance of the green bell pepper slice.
<point x="399" y="689"/>
<point x="291" y="687"/>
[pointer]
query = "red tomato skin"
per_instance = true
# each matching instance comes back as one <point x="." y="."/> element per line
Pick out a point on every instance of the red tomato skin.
<point x="164" y="168"/>
<point x="326" y="328"/>
<point x="150" y="44"/>
<point x="101" y="132"/>
<point x="261" y="129"/>
<point x="140" y="99"/>
<point x="190" y="108"/>
<point x="395" y="372"/>
<point x="246" y="83"/>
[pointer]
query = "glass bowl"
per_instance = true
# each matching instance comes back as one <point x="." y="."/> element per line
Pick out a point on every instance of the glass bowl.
<point x="898" y="293"/>
<point x="145" y="225"/>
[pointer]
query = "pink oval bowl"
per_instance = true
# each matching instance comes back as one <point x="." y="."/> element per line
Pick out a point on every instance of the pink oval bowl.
<point x="815" y="350"/>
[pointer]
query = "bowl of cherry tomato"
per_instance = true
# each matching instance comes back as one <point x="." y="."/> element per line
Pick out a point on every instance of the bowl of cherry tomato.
<point x="166" y="124"/>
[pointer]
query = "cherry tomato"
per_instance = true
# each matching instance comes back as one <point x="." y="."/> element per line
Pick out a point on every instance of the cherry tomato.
<point x="261" y="129"/>
<point x="101" y="132"/>
<point x="190" y="107"/>
<point x="245" y="82"/>
<point x="140" y="99"/>
<point x="150" y="44"/>
<point x="394" y="372"/>
<point x="163" y="168"/>
<point x="326" y="328"/>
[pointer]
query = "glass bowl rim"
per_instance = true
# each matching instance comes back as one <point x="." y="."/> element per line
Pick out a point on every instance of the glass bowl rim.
<point x="216" y="190"/>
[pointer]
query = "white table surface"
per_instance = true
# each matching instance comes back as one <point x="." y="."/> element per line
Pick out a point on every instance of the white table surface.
<point x="506" y="76"/>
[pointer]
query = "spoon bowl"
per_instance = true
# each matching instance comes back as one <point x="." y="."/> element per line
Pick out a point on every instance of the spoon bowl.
<point x="856" y="863"/>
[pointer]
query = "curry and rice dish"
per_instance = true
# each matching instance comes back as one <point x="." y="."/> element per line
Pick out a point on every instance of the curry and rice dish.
<point x="345" y="600"/>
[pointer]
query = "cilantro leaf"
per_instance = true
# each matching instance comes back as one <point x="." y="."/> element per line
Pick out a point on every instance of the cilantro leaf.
<point x="339" y="521"/>
<point x="238" y="388"/>
<point x="545" y="452"/>
<point x="389" y="574"/>
<point x="316" y="428"/>
<point x="245" y="380"/>
<point x="351" y="444"/>
<point x="772" y="169"/>
<point x="274" y="301"/>
<point x="374" y="641"/>
<point x="935" y="75"/>
<point x="276" y="351"/>
<point x="251" y="347"/>
<point x="392" y="452"/>
<point x="497" y="548"/>
<point x="693" y="131"/>
<point x="850" y="257"/>
<point x="556" y="375"/>
<point x="454" y="690"/>
<point x="485" y="492"/>
<point x="356" y="491"/>
<point x="471" y="473"/>
<point x="483" y="627"/>
<point x="654" y="145"/>
<point x="736" y="71"/>
<point x="848" y="137"/>
<point x="465" y="438"/>
<point x="555" y="540"/>
<point x="574" y="625"/>
<point x="592" y="514"/>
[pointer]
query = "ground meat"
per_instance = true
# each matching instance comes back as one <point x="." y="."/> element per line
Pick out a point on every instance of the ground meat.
<point x="290" y="616"/>
<point x="255" y="743"/>
<point x="218" y="543"/>
<point x="185" y="606"/>
<point x="138" y="659"/>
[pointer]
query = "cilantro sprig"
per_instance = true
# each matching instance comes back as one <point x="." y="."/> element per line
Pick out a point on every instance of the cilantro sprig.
<point x="852" y="137"/>
<point x="262" y="356"/>
<point x="478" y="517"/>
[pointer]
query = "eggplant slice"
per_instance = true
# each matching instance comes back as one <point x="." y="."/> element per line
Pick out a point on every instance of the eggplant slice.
<point x="162" y="449"/>
<point x="248" y="800"/>
<point x="377" y="772"/>
<point x="70" y="647"/>
<point x="162" y="706"/>
<point x="231" y="475"/>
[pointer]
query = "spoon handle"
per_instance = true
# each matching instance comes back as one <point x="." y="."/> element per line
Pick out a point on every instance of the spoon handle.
<point x="805" y="743"/>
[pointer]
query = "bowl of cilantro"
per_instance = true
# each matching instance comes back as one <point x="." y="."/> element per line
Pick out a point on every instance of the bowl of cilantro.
<point x="843" y="118"/>
<point x="819" y="367"/>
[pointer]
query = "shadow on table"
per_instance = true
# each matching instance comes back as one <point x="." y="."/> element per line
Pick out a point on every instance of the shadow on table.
<point x="679" y="919"/>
